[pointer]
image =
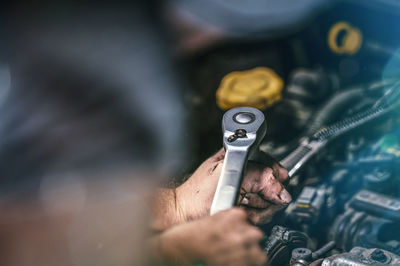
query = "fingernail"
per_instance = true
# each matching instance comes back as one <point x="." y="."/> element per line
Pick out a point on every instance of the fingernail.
<point x="245" y="201"/>
<point x="285" y="196"/>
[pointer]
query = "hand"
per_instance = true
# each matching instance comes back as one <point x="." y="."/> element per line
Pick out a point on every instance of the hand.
<point x="262" y="192"/>
<point x="225" y="238"/>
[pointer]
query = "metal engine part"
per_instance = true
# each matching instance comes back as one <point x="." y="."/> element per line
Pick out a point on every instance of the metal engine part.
<point x="310" y="203"/>
<point x="280" y="244"/>
<point x="304" y="256"/>
<point x="371" y="220"/>
<point x="362" y="257"/>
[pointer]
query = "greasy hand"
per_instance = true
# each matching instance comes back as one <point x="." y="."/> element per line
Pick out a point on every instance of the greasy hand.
<point x="262" y="192"/>
<point x="225" y="238"/>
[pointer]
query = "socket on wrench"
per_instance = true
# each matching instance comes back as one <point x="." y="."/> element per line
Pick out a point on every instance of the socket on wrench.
<point x="243" y="129"/>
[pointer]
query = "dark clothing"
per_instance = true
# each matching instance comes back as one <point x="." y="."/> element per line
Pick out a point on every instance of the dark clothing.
<point x="92" y="88"/>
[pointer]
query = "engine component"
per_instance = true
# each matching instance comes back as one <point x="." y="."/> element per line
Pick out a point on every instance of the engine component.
<point x="308" y="205"/>
<point x="378" y="180"/>
<point x="243" y="129"/>
<point x="301" y="257"/>
<point x="304" y="256"/>
<point x="370" y="220"/>
<point x="351" y="42"/>
<point x="379" y="173"/>
<point x="328" y="113"/>
<point x="280" y="244"/>
<point x="259" y="87"/>
<point x="323" y="250"/>
<point x="359" y="256"/>
<point x="311" y="145"/>
<point x="375" y="169"/>
<point x="376" y="204"/>
<point x="311" y="85"/>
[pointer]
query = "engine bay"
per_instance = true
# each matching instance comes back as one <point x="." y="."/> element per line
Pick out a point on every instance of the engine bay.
<point x="333" y="121"/>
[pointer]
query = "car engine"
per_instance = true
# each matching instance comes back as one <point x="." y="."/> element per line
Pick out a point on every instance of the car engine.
<point x="333" y="121"/>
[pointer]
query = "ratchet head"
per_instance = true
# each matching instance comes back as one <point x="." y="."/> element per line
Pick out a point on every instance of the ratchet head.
<point x="243" y="129"/>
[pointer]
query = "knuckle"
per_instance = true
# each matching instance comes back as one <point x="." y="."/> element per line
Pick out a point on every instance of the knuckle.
<point x="267" y="172"/>
<point x="284" y="174"/>
<point x="258" y="234"/>
<point x="272" y="191"/>
<point x="276" y="186"/>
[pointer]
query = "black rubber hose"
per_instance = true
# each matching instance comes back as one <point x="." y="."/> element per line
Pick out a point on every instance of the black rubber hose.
<point x="332" y="108"/>
<point x="382" y="106"/>
<point x="340" y="103"/>
<point x="323" y="250"/>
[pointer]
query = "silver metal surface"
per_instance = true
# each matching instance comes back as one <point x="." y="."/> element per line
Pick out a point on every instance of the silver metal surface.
<point x="295" y="160"/>
<point x="359" y="256"/>
<point x="238" y="150"/>
<point x="244" y="118"/>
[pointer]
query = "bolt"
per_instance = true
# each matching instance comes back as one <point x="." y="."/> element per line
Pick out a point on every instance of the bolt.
<point x="378" y="255"/>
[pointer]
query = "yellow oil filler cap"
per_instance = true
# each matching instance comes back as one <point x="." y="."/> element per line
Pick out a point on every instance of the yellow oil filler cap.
<point x="351" y="41"/>
<point x="259" y="88"/>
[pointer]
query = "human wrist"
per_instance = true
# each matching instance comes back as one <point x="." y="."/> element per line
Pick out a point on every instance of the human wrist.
<point x="166" y="209"/>
<point x="191" y="201"/>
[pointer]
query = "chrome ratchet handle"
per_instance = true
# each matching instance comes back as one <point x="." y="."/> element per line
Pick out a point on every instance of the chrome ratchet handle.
<point x="243" y="129"/>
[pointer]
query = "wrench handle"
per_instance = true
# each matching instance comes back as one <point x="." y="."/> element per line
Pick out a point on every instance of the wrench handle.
<point x="230" y="179"/>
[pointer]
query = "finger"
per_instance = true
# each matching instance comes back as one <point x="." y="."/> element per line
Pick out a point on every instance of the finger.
<point x="237" y="214"/>
<point x="257" y="216"/>
<point x="253" y="235"/>
<point x="285" y="196"/>
<point x="255" y="201"/>
<point x="281" y="198"/>
<point x="272" y="190"/>
<point x="270" y="186"/>
<point x="280" y="173"/>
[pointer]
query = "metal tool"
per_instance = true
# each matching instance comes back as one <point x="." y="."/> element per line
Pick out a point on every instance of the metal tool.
<point x="314" y="143"/>
<point x="243" y="129"/>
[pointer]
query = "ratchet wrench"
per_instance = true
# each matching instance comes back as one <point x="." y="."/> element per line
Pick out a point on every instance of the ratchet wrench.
<point x="243" y="129"/>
